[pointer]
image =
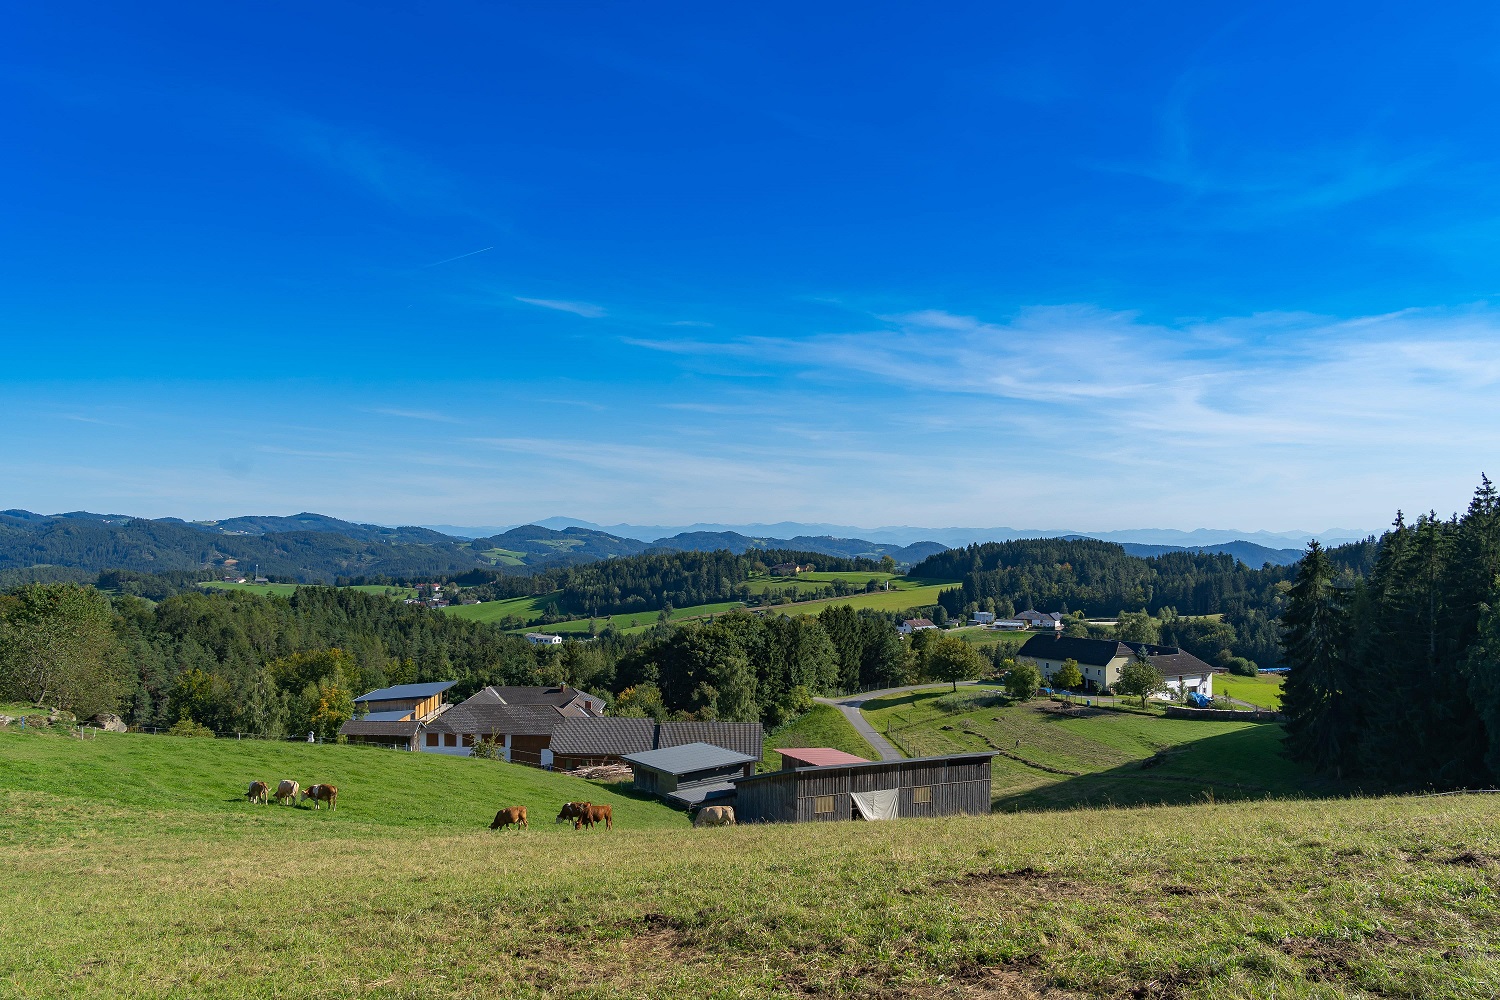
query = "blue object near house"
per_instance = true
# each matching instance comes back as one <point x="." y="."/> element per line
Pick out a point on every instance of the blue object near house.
<point x="1200" y="700"/>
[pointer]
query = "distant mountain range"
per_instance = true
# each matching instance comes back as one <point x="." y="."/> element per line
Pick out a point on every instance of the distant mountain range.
<point x="949" y="537"/>
<point x="316" y="548"/>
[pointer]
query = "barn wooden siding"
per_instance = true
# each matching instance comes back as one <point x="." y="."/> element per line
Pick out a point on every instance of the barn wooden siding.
<point x="959" y="785"/>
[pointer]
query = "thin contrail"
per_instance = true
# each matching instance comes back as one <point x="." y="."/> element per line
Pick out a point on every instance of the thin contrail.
<point x="459" y="257"/>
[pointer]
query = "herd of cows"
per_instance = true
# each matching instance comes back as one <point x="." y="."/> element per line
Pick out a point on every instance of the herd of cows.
<point x="288" y="790"/>
<point x="582" y="814"/>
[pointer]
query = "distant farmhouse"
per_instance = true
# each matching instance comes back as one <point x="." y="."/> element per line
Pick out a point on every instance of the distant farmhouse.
<point x="983" y="618"/>
<point x="543" y="639"/>
<point x="1040" y="619"/>
<point x="914" y="625"/>
<point x="1101" y="660"/>
<point x="790" y="569"/>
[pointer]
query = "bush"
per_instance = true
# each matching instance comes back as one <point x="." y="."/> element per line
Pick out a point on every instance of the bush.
<point x="1241" y="666"/>
<point x="489" y="748"/>
<point x="187" y="727"/>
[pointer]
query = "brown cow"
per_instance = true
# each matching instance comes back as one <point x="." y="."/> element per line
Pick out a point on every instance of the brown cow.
<point x="287" y="790"/>
<point x="514" y="816"/>
<point x="322" y="793"/>
<point x="259" y="792"/>
<point x="591" y="814"/>
<point x="571" y="810"/>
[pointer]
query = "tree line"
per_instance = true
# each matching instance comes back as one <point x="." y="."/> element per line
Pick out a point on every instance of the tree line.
<point x="274" y="666"/>
<point x="1396" y="674"/>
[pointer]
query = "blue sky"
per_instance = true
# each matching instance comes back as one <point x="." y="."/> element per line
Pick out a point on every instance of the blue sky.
<point x="1089" y="266"/>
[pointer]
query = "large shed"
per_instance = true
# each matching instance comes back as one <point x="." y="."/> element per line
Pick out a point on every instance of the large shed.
<point x="877" y="789"/>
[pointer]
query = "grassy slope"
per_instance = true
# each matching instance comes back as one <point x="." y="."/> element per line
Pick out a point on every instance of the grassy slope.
<point x="161" y="896"/>
<point x="824" y="726"/>
<point x="1263" y="689"/>
<point x="286" y="589"/>
<point x="1219" y="759"/>
<point x="377" y="788"/>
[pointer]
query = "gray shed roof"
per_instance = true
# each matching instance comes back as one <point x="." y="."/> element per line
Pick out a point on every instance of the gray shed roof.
<point x="394" y="715"/>
<point x="616" y="737"/>
<point x="407" y="691"/>
<point x="697" y="794"/>
<point x="484" y="717"/>
<point x="894" y="765"/>
<point x="360" y="727"/>
<point x="688" y="758"/>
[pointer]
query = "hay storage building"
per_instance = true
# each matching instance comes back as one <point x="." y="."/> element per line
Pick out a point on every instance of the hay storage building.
<point x="877" y="789"/>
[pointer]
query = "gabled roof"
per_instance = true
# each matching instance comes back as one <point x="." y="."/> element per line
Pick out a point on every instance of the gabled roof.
<point x="494" y="717"/>
<point x="919" y="623"/>
<point x="689" y="757"/>
<point x="1094" y="652"/>
<point x="417" y="691"/>
<point x="559" y="696"/>
<point x="803" y="772"/>
<point x="614" y="737"/>
<point x="820" y="756"/>
<point x="1170" y="660"/>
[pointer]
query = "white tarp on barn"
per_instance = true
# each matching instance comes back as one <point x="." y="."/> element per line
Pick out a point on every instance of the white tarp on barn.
<point x="876" y="805"/>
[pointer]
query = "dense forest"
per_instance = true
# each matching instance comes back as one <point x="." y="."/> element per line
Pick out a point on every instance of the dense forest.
<point x="650" y="582"/>
<point x="1101" y="580"/>
<point x="1396" y="674"/>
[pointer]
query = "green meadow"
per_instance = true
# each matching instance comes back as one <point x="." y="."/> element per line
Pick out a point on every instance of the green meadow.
<point x="1098" y="757"/>
<point x="131" y="867"/>
<point x="824" y="726"/>
<point x="1263" y="689"/>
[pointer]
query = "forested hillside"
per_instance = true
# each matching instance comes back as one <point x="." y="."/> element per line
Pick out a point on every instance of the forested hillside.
<point x="1101" y="580"/>
<point x="1396" y="676"/>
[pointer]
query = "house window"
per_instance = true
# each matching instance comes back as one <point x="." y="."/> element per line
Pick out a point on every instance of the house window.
<point x="822" y="805"/>
<point x="432" y="739"/>
<point x="468" y="739"/>
<point x="450" y="739"/>
<point x="922" y="793"/>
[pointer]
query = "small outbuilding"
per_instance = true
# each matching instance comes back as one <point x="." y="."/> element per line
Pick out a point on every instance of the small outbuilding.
<point x="685" y="775"/>
<point x="871" y="790"/>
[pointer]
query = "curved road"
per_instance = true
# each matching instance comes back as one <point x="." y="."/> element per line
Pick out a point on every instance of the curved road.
<point x="849" y="705"/>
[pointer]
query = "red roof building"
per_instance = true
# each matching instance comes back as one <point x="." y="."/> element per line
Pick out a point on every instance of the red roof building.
<point x="795" y="757"/>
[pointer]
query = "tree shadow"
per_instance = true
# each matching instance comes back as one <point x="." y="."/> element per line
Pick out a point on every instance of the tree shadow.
<point x="1246" y="764"/>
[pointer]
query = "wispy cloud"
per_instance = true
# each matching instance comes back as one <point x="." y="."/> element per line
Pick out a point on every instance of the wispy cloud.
<point x="584" y="309"/>
<point x="431" y="415"/>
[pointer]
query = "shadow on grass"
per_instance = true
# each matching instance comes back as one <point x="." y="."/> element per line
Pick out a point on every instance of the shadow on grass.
<point x="1246" y="764"/>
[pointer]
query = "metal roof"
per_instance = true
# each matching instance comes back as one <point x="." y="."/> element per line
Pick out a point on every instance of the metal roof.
<point x="616" y="737"/>
<point x="803" y="772"/>
<point x="395" y="715"/>
<point x="688" y="758"/>
<point x="407" y="691"/>
<point x="695" y="794"/>
<point x="821" y="756"/>
<point x="358" y="727"/>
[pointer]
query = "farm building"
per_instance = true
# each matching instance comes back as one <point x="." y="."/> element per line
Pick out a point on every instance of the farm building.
<point x="543" y="639"/>
<point x="983" y="618"/>
<point x="794" y="757"/>
<point x="1040" y="619"/>
<point x="877" y="789"/>
<point x="914" y="625"/>
<point x="395" y="715"/>
<point x="1101" y="660"/>
<point x="685" y="775"/>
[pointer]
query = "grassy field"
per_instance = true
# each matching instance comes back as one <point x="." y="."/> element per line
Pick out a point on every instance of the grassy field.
<point x="527" y="609"/>
<point x="1058" y="762"/>
<point x="918" y="594"/>
<point x="115" y="884"/>
<point x="1263" y="689"/>
<point x="824" y="726"/>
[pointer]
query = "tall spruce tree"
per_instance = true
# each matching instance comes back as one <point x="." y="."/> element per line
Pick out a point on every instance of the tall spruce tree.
<point x="1322" y="708"/>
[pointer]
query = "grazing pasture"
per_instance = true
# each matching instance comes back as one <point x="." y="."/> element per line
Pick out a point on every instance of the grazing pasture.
<point x="1100" y="757"/>
<point x="115" y="883"/>
<point x="1263" y="689"/>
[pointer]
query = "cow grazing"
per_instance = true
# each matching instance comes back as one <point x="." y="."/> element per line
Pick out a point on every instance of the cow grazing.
<point x="715" y="816"/>
<point x="588" y="815"/>
<point x="320" y="794"/>
<point x="259" y="792"/>
<point x="287" y="790"/>
<point x="571" y="811"/>
<point x="514" y="816"/>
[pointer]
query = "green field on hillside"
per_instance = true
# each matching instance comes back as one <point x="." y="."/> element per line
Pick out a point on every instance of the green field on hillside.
<point x="528" y="609"/>
<point x="123" y="875"/>
<point x="824" y="726"/>
<point x="376" y="787"/>
<point x="915" y="596"/>
<point x="1100" y="755"/>
<point x="286" y="589"/>
<point x="1262" y="689"/>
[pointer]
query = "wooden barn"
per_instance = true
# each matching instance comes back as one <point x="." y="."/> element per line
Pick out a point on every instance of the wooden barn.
<point x="877" y="789"/>
<point x="686" y="775"/>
